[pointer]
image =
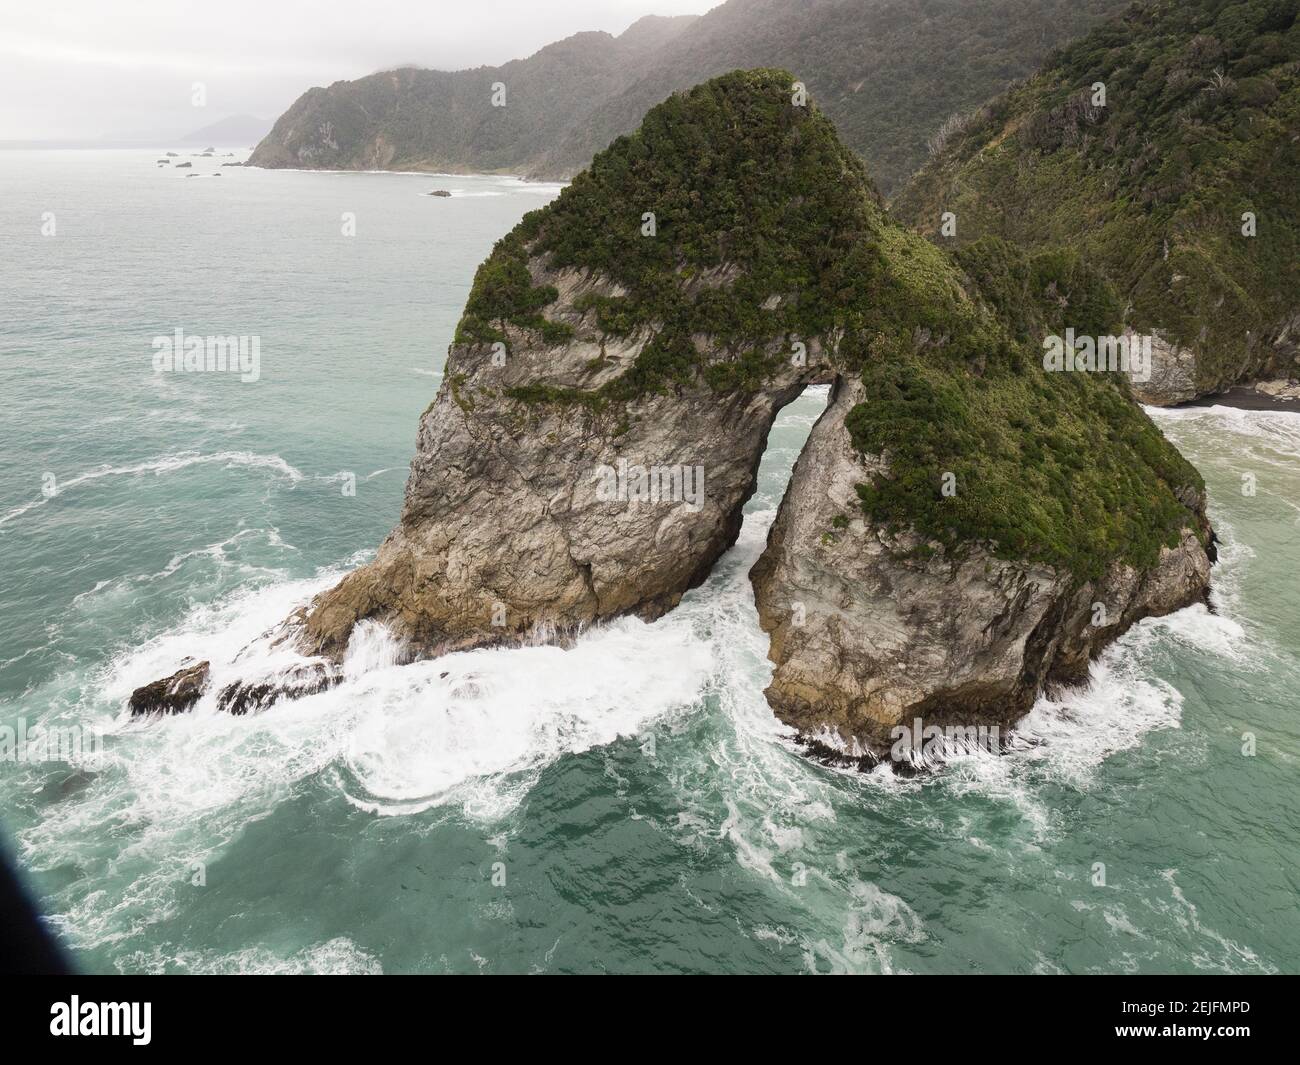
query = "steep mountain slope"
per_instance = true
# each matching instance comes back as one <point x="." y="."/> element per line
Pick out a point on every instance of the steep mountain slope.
<point x="417" y="119"/>
<point x="888" y="72"/>
<point x="1196" y="148"/>
<point x="622" y="356"/>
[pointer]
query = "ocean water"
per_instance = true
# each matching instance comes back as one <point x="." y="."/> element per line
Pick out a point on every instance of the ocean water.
<point x="626" y="805"/>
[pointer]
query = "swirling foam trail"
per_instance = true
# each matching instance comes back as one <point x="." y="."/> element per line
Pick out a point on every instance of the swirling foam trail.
<point x="161" y="465"/>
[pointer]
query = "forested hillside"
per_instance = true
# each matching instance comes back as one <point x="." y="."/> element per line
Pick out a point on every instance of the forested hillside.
<point x="1182" y="182"/>
<point x="887" y="72"/>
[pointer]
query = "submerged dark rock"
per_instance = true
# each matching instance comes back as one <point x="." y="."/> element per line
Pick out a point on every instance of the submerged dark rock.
<point x="182" y="691"/>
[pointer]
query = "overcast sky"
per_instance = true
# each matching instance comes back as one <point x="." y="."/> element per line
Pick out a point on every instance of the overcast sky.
<point x="90" y="68"/>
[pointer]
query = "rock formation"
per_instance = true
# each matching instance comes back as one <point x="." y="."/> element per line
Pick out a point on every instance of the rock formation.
<point x="523" y="514"/>
<point x="622" y="357"/>
<point x="867" y="639"/>
<point x="174" y="694"/>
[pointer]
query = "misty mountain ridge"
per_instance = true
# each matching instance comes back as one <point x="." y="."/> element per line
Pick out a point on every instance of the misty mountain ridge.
<point x="882" y="70"/>
<point x="234" y="129"/>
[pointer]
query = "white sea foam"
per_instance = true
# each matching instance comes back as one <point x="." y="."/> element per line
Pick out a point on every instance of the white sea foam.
<point x="336" y="957"/>
<point x="540" y="188"/>
<point x="474" y="729"/>
<point x="1262" y="438"/>
<point x="1068" y="736"/>
<point x="1072" y="733"/>
<point x="469" y="732"/>
<point x="216" y="553"/>
<point x="875" y="921"/>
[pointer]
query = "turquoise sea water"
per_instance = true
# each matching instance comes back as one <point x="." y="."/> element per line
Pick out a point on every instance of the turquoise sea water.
<point x="630" y="804"/>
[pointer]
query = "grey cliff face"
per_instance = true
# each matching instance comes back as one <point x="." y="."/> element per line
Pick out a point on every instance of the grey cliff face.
<point x="865" y="639"/>
<point x="1177" y="376"/>
<point x="514" y="521"/>
<point x="1172" y="378"/>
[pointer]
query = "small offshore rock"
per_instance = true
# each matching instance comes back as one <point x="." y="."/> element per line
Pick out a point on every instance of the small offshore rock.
<point x="171" y="695"/>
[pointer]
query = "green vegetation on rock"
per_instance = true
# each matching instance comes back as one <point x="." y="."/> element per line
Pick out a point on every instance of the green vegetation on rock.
<point x="416" y="119"/>
<point x="770" y="232"/>
<point x="1201" y="125"/>
<point x="763" y="223"/>
<point x="1062" y="468"/>
<point x="886" y="72"/>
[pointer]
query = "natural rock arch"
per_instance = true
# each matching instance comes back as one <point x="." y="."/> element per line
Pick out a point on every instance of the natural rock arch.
<point x="659" y="314"/>
<point x="507" y="526"/>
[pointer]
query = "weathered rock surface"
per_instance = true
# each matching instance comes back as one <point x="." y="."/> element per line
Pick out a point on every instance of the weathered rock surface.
<point x="1286" y="350"/>
<point x="1173" y="376"/>
<point x="1174" y="370"/>
<point x="297" y="682"/>
<point x="865" y="639"/>
<point x="1280" y="389"/>
<point x="267" y="671"/>
<point x="504" y="531"/>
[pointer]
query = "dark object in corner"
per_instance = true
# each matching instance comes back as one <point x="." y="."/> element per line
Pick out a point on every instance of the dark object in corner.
<point x="26" y="946"/>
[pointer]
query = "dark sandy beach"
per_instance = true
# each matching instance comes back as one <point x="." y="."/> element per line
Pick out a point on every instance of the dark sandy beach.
<point x="1245" y="397"/>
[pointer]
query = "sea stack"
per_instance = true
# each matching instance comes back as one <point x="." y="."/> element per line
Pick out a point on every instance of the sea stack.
<point x="954" y="522"/>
